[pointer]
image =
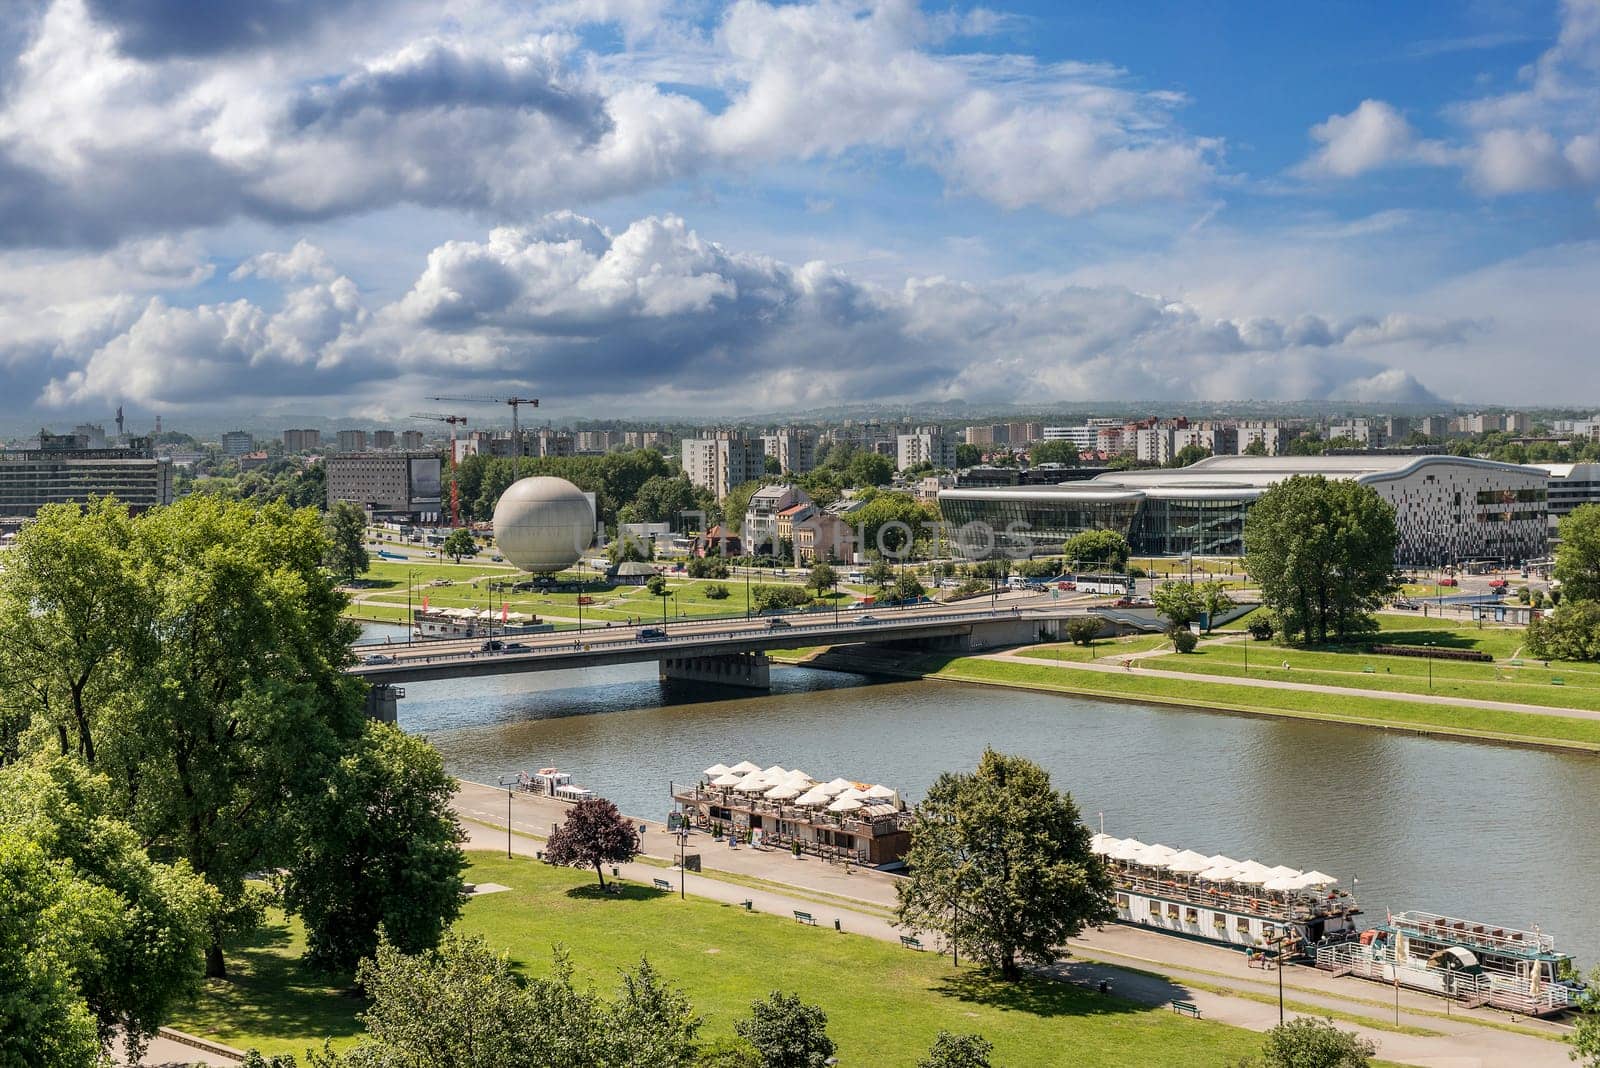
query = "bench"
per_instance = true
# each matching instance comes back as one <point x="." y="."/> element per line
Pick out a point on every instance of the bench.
<point x="1188" y="1008"/>
<point x="1369" y="670"/>
<point x="662" y="884"/>
<point x="1558" y="681"/>
<point x="804" y="917"/>
<point x="910" y="943"/>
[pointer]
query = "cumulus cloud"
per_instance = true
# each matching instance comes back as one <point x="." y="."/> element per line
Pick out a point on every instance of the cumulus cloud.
<point x="136" y="116"/>
<point x="604" y="317"/>
<point x="1374" y="135"/>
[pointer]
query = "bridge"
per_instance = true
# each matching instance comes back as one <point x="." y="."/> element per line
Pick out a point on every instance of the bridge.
<point x="729" y="652"/>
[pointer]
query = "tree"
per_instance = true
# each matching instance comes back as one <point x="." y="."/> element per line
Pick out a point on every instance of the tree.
<point x="661" y="499"/>
<point x="907" y="587"/>
<point x="736" y="503"/>
<point x="1573" y="633"/>
<point x="1214" y="599"/>
<point x="656" y="585"/>
<point x="1054" y="452"/>
<point x="823" y="577"/>
<point x="1179" y="601"/>
<point x="1585" y="1037"/>
<point x="1184" y="641"/>
<point x="1189" y="454"/>
<point x="879" y="574"/>
<point x="889" y="523"/>
<point x="786" y="1032"/>
<point x="869" y="469"/>
<point x="771" y="466"/>
<point x="651" y="1024"/>
<point x="346" y="555"/>
<point x="1083" y="630"/>
<point x="1578" y="555"/>
<point x="385" y="852"/>
<point x="958" y="1051"/>
<point x="1323" y="554"/>
<point x="460" y="543"/>
<point x="1306" y="1042"/>
<point x="1097" y="548"/>
<point x="968" y="455"/>
<point x="594" y="833"/>
<point x="1000" y="864"/>
<point x="766" y="597"/>
<point x="1255" y="448"/>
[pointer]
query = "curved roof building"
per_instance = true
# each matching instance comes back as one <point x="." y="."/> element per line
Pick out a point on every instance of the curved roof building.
<point x="1447" y="507"/>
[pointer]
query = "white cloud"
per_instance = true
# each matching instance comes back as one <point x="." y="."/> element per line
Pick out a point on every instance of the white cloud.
<point x="1374" y="135"/>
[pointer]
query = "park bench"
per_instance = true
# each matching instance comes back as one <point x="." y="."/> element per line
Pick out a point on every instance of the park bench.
<point x="910" y="942"/>
<point x="804" y="917"/>
<point x="662" y="884"/>
<point x="1188" y="1008"/>
<point x="1558" y="681"/>
<point x="1369" y="670"/>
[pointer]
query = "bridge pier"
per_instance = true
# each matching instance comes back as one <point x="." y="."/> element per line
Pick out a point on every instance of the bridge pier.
<point x="383" y="702"/>
<point x="748" y="671"/>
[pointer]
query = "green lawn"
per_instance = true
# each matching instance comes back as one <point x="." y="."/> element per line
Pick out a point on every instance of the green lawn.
<point x="884" y="1004"/>
<point x="1125" y="646"/>
<point x="1357" y="708"/>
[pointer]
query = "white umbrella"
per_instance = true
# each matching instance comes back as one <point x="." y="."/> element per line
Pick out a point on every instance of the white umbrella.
<point x="753" y="783"/>
<point x="744" y="767"/>
<point x="1103" y="843"/>
<point x="1283" y="872"/>
<point x="797" y="775"/>
<point x="876" y="791"/>
<point x="1283" y="883"/>
<point x="784" y="792"/>
<point x="812" y="799"/>
<point x="1314" y="878"/>
<point x="1251" y="874"/>
<point x="852" y="794"/>
<point x="837" y="786"/>
<point x="844" y="804"/>
<point x="1155" y="856"/>
<point x="729" y="779"/>
<point x="715" y="770"/>
<point x="1221" y="870"/>
<point x="1127" y="849"/>
<point x="1188" y="862"/>
<point x="774" y="772"/>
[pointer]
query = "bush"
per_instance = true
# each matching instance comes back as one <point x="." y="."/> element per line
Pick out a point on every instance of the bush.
<point x="1536" y="598"/>
<point x="1184" y="641"/>
<point x="1082" y="630"/>
<point x="1261" y="630"/>
<point x="1137" y="572"/>
<point x="1312" y="1043"/>
<point x="715" y="591"/>
<point x="766" y="598"/>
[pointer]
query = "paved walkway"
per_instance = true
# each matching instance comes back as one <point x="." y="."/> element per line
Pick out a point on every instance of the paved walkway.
<point x="1305" y="687"/>
<point x="857" y="903"/>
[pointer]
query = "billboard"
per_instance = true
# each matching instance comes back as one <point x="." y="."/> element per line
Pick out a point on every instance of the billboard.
<point x="424" y="481"/>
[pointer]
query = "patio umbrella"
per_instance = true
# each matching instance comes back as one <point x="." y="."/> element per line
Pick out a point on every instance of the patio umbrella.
<point x="784" y="792"/>
<point x="796" y="775"/>
<point x="812" y="799"/>
<point x="729" y="779"/>
<point x="879" y="792"/>
<point x="852" y="794"/>
<point x="715" y="770"/>
<point x="1251" y="873"/>
<point x="744" y="767"/>
<point x="1127" y="849"/>
<point x="1221" y="870"/>
<point x="1314" y="878"/>
<point x="1103" y="843"/>
<point x="837" y="786"/>
<point x="1187" y="862"/>
<point x="1283" y="872"/>
<point x="775" y="772"/>
<point x="844" y="804"/>
<point x="1155" y="856"/>
<point x="1281" y="883"/>
<point x="753" y="783"/>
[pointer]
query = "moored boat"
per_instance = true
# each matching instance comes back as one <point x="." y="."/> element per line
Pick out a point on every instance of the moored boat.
<point x="1218" y="899"/>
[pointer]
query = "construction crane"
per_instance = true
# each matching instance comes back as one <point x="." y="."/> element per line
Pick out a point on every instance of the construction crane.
<point x="516" y="432"/>
<point x="455" y="488"/>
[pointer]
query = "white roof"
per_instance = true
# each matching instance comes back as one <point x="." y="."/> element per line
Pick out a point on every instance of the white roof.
<point x="714" y="770"/>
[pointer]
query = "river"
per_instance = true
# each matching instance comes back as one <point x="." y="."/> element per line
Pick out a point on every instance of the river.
<point x="1487" y="832"/>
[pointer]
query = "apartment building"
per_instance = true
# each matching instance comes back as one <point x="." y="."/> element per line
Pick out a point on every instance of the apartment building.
<point x="794" y="448"/>
<point x="235" y="443"/>
<point x="927" y="444"/>
<point x="383" y="439"/>
<point x="385" y="483"/>
<point x="304" y="440"/>
<point x="63" y="468"/>
<point x="723" y="460"/>
<point x="352" y="441"/>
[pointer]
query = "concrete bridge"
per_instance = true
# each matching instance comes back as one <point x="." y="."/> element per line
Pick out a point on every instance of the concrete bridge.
<point x="729" y="652"/>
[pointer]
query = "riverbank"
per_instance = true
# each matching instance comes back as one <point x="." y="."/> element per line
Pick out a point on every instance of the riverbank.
<point x="1572" y="730"/>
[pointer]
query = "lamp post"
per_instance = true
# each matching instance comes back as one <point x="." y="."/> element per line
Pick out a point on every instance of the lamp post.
<point x="746" y="561"/>
<point x="581" y="583"/>
<point x="1430" y="663"/>
<point x="1280" y="981"/>
<point x="509" y="796"/>
<point x="411" y="618"/>
<point x="683" y="838"/>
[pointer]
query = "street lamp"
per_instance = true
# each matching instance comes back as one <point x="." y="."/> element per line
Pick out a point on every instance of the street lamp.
<point x="1430" y="663"/>
<point x="509" y="796"/>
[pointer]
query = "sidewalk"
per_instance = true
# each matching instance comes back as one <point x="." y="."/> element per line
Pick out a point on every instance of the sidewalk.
<point x="857" y="901"/>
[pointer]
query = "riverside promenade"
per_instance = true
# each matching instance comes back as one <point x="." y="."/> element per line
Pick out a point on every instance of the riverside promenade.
<point x="1142" y="966"/>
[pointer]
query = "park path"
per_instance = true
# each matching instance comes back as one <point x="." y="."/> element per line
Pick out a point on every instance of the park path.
<point x="1305" y="687"/>
<point x="1215" y="979"/>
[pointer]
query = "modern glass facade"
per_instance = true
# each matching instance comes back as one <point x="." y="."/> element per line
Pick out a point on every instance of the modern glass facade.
<point x="1014" y="523"/>
<point x="1209" y="526"/>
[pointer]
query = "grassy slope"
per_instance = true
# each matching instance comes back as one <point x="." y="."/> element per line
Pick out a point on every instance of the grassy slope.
<point x="884" y="1003"/>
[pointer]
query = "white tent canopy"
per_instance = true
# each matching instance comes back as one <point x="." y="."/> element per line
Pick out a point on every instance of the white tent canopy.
<point x="1221" y="870"/>
<point x="744" y="767"/>
<point x="728" y="779"/>
<point x="715" y="770"/>
<point x="1314" y="878"/>
<point x="753" y="783"/>
<point x="1282" y="882"/>
<point x="844" y="804"/>
<point x="812" y="798"/>
<point x="1187" y="862"/>
<point x="1251" y="873"/>
<point x="1102" y="843"/>
<point x="879" y="791"/>
<point x="1155" y="856"/>
<point x="1127" y="849"/>
<point x="774" y="772"/>
<point x="784" y="792"/>
<point x="837" y="786"/>
<point x="797" y="775"/>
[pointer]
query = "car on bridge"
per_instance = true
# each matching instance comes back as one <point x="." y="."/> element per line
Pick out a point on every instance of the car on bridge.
<point x="866" y="619"/>
<point x="778" y="624"/>
<point x="518" y="647"/>
<point x="493" y="645"/>
<point x="378" y="658"/>
<point x="651" y="634"/>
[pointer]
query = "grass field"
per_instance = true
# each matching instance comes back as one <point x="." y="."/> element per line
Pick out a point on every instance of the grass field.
<point x="1126" y="646"/>
<point x="884" y="1004"/>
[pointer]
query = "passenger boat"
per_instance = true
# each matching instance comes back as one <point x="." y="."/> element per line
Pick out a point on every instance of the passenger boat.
<point x="445" y="623"/>
<point x="553" y="782"/>
<point x="1219" y="899"/>
<point x="1477" y="963"/>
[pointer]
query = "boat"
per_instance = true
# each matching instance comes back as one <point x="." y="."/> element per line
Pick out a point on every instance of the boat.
<point x="1217" y="899"/>
<point x="553" y="782"/>
<point x="445" y="623"/>
<point x="1475" y="963"/>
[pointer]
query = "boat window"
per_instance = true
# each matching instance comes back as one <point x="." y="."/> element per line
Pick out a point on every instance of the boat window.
<point x="1219" y="921"/>
<point x="1172" y="910"/>
<point x="1122" y="901"/>
<point x="1191" y="915"/>
<point x="1242" y="925"/>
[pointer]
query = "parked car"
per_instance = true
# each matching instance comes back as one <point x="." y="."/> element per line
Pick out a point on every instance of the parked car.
<point x="518" y="647"/>
<point x="651" y="634"/>
<point x="777" y="624"/>
<point x="378" y="658"/>
<point x="1449" y="582"/>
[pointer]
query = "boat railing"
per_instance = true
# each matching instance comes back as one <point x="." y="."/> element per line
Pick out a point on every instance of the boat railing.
<point x="1452" y="930"/>
<point x="1268" y="904"/>
<point x="1501" y="990"/>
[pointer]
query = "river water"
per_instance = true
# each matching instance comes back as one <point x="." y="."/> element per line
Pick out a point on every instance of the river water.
<point x="1490" y="833"/>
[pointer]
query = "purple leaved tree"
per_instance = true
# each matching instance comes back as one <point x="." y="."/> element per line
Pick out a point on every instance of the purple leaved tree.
<point x="594" y="833"/>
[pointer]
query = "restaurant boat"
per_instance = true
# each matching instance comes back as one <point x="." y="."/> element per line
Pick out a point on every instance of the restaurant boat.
<point x="445" y="623"/>
<point x="1219" y="899"/>
<point x="1476" y="963"/>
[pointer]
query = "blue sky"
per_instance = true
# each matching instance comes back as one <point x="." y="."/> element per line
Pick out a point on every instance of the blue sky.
<point x="704" y="209"/>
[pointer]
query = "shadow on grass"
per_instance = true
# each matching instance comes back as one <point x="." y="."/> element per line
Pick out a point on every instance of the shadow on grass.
<point x="1443" y="639"/>
<point x="1068" y="988"/>
<point x="614" y="891"/>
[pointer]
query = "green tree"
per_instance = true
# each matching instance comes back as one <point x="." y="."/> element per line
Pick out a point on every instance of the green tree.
<point x="661" y="499"/>
<point x="1577" y="564"/>
<point x="736" y="504"/>
<point x="1097" y="549"/>
<point x="907" y="587"/>
<point x="771" y="465"/>
<point x="786" y="1032"/>
<point x="1255" y="448"/>
<point x="1000" y="864"/>
<point x="879" y="574"/>
<point x="1189" y="454"/>
<point x="460" y="543"/>
<point x="1179" y="601"/>
<point x="1306" y="1042"/>
<point x="1214" y="599"/>
<point x="383" y="850"/>
<point x="890" y="523"/>
<point x="1323" y="554"/>
<point x="651" y="1024"/>
<point x="823" y="577"/>
<point x="656" y="585"/>
<point x="1573" y="633"/>
<point x="1585" y="1037"/>
<point x="958" y="1051"/>
<point x="1054" y="452"/>
<point x="767" y="597"/>
<point x="968" y="455"/>
<point x="1083" y="630"/>
<point x="869" y="469"/>
<point x="346" y="555"/>
<point x="594" y="833"/>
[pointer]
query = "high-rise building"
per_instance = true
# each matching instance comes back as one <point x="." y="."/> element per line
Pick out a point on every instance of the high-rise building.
<point x="236" y="442"/>
<point x="927" y="444"/>
<point x="301" y="440"/>
<point x="722" y="461"/>
<point x="93" y="434"/>
<point x="1023" y="433"/>
<point x="383" y="439"/>
<point x="352" y="441"/>
<point x="979" y="435"/>
<point x="411" y="440"/>
<point x="1273" y="438"/>
<point x="64" y="468"/>
<point x="1434" y="426"/>
<point x="795" y="449"/>
<point x="1517" y="423"/>
<point x="387" y="483"/>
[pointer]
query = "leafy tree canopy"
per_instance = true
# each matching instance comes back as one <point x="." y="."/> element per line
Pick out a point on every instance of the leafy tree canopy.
<point x="594" y="833"/>
<point x="1578" y="555"/>
<point x="1097" y="549"/>
<point x="1054" y="452"/>
<point x="786" y="1032"/>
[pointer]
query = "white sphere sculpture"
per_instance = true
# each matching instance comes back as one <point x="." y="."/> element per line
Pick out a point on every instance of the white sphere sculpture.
<point x="543" y="524"/>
